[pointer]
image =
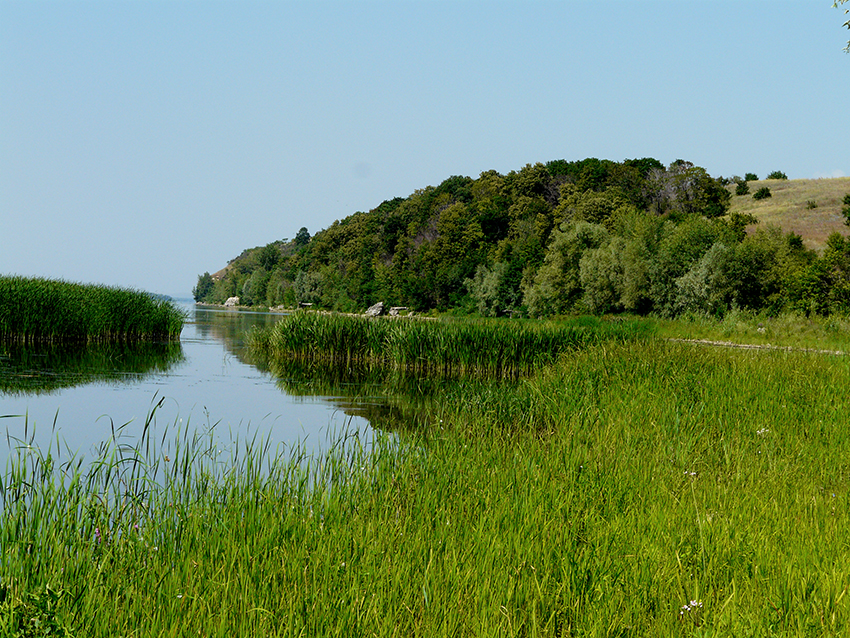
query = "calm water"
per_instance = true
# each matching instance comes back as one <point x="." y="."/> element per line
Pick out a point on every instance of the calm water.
<point x="206" y="380"/>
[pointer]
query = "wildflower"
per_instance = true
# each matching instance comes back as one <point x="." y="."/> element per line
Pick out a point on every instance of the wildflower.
<point x="694" y="605"/>
<point x="762" y="431"/>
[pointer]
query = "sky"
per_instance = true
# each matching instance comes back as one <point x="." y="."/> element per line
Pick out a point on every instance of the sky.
<point x="144" y="143"/>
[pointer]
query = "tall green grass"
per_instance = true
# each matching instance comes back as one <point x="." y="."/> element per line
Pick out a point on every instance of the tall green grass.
<point x="45" y="310"/>
<point x="447" y="348"/>
<point x="632" y="489"/>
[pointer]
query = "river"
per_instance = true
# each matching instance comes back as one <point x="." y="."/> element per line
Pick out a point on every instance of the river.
<point x="207" y="381"/>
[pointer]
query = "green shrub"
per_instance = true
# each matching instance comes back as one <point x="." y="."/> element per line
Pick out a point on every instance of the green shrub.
<point x="777" y="175"/>
<point x="811" y="204"/>
<point x="762" y="193"/>
<point x="751" y="177"/>
<point x="742" y="188"/>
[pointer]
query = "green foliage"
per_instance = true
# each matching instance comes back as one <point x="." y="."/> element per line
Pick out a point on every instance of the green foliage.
<point x="751" y="177"/>
<point x="602" y="274"/>
<point x="762" y="193"/>
<point x="303" y="237"/>
<point x="496" y="243"/>
<point x="777" y="175"/>
<point x="556" y="287"/>
<point x="33" y="615"/>
<point x="45" y="310"/>
<point x="684" y="189"/>
<point x="845" y="210"/>
<point x="598" y="497"/>
<point x="487" y="348"/>
<point x="204" y="287"/>
<point x="492" y="290"/>
<point x="269" y="256"/>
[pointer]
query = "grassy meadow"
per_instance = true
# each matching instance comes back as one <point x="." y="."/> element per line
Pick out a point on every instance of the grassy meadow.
<point x="810" y="208"/>
<point x="45" y="310"/>
<point x="633" y="487"/>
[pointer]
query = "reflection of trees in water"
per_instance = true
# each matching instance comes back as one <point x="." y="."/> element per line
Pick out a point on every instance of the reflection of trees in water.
<point x="390" y="400"/>
<point x="231" y="326"/>
<point x="40" y="369"/>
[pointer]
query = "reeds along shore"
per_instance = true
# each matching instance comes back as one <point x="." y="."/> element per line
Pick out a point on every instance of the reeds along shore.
<point x="34" y="310"/>
<point x="633" y="489"/>
<point x="496" y="348"/>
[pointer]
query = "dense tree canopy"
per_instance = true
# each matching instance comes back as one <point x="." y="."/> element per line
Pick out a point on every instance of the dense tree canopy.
<point x="584" y="236"/>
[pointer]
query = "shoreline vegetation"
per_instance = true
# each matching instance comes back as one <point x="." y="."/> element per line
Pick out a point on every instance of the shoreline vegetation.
<point x="38" y="310"/>
<point x="446" y="348"/>
<point x="631" y="486"/>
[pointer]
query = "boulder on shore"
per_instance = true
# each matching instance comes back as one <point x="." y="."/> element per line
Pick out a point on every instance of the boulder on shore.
<point x="376" y="311"/>
<point x="231" y="301"/>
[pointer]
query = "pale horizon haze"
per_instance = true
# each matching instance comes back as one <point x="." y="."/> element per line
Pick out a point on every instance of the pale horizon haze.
<point x="144" y="143"/>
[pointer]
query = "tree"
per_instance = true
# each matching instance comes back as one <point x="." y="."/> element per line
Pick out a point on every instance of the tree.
<point x="269" y="256"/>
<point x="684" y="189"/>
<point x="303" y="237"/>
<point x="204" y="287"/>
<point x="846" y="24"/>
<point x="556" y="286"/>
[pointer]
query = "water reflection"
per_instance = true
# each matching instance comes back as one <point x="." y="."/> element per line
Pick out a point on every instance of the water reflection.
<point x="389" y="400"/>
<point x="208" y="381"/>
<point x="230" y="326"/>
<point x="45" y="368"/>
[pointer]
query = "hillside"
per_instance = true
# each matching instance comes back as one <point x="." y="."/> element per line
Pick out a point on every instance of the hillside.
<point x="585" y="236"/>
<point x="810" y="208"/>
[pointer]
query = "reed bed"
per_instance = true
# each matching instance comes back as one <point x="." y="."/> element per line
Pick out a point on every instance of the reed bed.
<point x="36" y="310"/>
<point x="493" y="348"/>
<point x="634" y="489"/>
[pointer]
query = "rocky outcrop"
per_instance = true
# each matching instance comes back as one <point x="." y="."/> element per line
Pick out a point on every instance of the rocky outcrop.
<point x="376" y="311"/>
<point x="231" y="302"/>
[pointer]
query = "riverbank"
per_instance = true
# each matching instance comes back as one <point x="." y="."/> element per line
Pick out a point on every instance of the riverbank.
<point x="631" y="488"/>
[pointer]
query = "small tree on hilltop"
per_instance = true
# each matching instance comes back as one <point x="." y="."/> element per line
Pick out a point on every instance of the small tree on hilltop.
<point x="777" y="175"/>
<point x="303" y="237"/>
<point x="751" y="177"/>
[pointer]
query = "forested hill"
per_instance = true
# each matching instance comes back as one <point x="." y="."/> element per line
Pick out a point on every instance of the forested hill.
<point x="584" y="236"/>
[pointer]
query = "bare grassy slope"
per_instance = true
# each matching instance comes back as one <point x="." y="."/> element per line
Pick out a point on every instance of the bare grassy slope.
<point x="789" y="208"/>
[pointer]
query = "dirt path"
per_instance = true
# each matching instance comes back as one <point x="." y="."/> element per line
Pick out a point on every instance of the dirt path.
<point x="754" y="346"/>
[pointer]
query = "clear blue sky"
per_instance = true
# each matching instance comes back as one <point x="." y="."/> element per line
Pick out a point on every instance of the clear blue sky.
<point x="143" y="143"/>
